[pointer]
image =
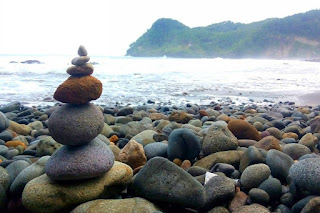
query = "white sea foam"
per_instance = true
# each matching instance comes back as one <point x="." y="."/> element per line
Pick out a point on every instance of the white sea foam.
<point x="136" y="80"/>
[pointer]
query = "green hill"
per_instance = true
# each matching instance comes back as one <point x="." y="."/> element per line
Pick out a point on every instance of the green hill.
<point x="296" y="36"/>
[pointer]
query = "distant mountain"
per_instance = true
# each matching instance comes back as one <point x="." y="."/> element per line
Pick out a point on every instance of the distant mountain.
<point x="296" y="36"/>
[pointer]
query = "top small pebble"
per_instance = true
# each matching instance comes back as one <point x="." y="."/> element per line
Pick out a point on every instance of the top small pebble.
<point x="82" y="51"/>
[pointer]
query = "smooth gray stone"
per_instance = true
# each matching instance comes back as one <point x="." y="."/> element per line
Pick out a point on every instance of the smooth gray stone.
<point x="163" y="181"/>
<point x="80" y="162"/>
<point x="279" y="164"/>
<point x="4" y="122"/>
<point x="183" y="144"/>
<point x="81" y="60"/>
<point x="305" y="175"/>
<point x="34" y="170"/>
<point x="82" y="51"/>
<point x="15" y="168"/>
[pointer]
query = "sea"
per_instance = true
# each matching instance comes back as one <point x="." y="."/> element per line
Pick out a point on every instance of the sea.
<point x="163" y="80"/>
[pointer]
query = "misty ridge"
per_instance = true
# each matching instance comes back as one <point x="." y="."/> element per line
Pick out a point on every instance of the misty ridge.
<point x="292" y="37"/>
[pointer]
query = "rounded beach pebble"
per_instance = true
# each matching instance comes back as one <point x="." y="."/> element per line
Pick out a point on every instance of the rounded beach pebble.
<point x="183" y="144"/>
<point x="79" y="90"/>
<point x="86" y="69"/>
<point x="76" y="124"/>
<point x="254" y="175"/>
<point x="80" y="162"/>
<point x="305" y="175"/>
<point x="243" y="130"/>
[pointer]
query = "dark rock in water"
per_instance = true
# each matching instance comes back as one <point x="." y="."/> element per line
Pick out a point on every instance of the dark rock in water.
<point x="76" y="124"/>
<point x="163" y="181"/>
<point x="156" y="149"/>
<point x="31" y="62"/>
<point x="183" y="144"/>
<point x="11" y="107"/>
<point x="80" y="162"/>
<point x="305" y="175"/>
<point x="279" y="164"/>
<point x="219" y="190"/>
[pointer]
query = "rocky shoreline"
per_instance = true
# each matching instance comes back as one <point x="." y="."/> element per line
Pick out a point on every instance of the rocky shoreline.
<point x="265" y="158"/>
<point x="223" y="157"/>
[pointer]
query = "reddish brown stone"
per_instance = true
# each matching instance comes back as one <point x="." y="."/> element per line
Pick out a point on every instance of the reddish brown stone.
<point x="113" y="138"/>
<point x="157" y="116"/>
<point x="79" y="90"/>
<point x="136" y="170"/>
<point x="239" y="200"/>
<point x="203" y="113"/>
<point x="133" y="154"/>
<point x="243" y="130"/>
<point x="86" y="69"/>
<point x="267" y="143"/>
<point x="290" y="135"/>
<point x="180" y="117"/>
<point x="186" y="164"/>
<point x="177" y="161"/>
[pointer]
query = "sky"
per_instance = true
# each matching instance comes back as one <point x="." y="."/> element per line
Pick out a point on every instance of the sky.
<point x="108" y="27"/>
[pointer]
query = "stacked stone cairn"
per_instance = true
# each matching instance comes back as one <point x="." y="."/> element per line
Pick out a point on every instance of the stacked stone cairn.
<point x="76" y="125"/>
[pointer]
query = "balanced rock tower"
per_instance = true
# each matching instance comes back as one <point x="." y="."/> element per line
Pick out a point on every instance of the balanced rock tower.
<point x="77" y="124"/>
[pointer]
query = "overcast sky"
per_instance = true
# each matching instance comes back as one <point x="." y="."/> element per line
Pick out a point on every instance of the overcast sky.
<point x="108" y="27"/>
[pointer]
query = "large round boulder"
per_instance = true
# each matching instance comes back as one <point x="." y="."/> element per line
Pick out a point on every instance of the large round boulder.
<point x="163" y="181"/>
<point x="76" y="124"/>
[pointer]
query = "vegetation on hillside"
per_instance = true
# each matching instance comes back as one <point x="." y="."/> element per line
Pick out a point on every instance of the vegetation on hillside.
<point x="296" y="36"/>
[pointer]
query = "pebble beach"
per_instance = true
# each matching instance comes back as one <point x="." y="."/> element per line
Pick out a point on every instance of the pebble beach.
<point x="220" y="157"/>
